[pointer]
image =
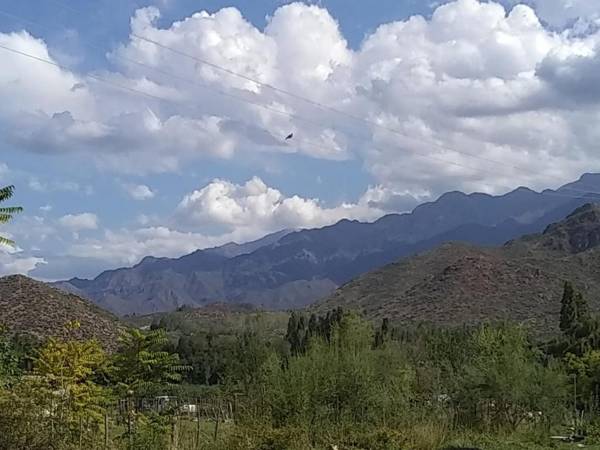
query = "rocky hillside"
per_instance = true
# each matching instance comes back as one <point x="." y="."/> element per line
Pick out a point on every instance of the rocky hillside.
<point x="31" y="307"/>
<point x="294" y="269"/>
<point x="458" y="283"/>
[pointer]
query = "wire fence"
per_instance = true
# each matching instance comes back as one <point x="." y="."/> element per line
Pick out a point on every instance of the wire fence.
<point x="191" y="422"/>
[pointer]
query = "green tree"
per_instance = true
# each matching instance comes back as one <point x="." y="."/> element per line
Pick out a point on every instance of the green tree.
<point x="60" y="403"/>
<point x="249" y="354"/>
<point x="207" y="356"/>
<point x="382" y="334"/>
<point x="9" y="359"/>
<point x="142" y="363"/>
<point x="505" y="379"/>
<point x="586" y="369"/>
<point x="576" y="323"/>
<point x="568" y="310"/>
<point x="339" y="379"/>
<point x="6" y="213"/>
<point x="296" y="333"/>
<point x="69" y="372"/>
<point x="582" y="309"/>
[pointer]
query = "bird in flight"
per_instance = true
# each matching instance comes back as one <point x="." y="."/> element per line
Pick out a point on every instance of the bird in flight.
<point x="289" y="136"/>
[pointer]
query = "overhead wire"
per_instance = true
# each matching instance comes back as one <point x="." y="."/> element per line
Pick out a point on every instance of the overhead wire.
<point x="315" y="103"/>
<point x="162" y="99"/>
<point x="248" y="101"/>
<point x="232" y="96"/>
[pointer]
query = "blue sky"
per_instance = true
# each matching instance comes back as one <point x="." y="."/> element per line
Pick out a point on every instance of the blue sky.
<point x="470" y="95"/>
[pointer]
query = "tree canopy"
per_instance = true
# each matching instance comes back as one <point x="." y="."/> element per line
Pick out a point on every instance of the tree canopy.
<point x="7" y="212"/>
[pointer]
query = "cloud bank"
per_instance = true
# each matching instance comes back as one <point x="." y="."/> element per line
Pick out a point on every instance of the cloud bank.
<point x="474" y="79"/>
<point x="479" y="96"/>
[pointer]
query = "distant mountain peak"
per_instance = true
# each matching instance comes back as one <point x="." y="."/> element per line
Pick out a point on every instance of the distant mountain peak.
<point x="587" y="183"/>
<point x="523" y="189"/>
<point x="452" y="194"/>
<point x="233" y="249"/>
<point x="294" y="268"/>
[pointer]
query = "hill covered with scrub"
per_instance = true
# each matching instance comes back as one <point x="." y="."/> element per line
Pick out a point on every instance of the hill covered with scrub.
<point x="31" y="307"/>
<point x="460" y="283"/>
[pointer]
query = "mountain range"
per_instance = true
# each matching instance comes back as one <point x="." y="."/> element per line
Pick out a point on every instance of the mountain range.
<point x="292" y="269"/>
<point x="459" y="283"/>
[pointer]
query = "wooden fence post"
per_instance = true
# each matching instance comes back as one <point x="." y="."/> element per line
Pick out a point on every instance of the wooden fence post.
<point x="129" y="427"/>
<point x="235" y="407"/>
<point x="197" y="424"/>
<point x="174" y="437"/>
<point x="216" y="428"/>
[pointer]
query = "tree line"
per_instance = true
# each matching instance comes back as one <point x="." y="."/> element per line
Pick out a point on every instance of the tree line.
<point x="332" y="379"/>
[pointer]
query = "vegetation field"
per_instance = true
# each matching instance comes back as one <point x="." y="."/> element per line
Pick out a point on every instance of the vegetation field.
<point x="268" y="382"/>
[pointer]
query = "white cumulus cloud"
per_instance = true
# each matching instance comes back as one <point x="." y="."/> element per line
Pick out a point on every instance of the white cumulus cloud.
<point x="12" y="262"/>
<point x="79" y="222"/>
<point x="139" y="191"/>
<point x="128" y="246"/>
<point x="258" y="208"/>
<point x="227" y="212"/>
<point x="457" y="100"/>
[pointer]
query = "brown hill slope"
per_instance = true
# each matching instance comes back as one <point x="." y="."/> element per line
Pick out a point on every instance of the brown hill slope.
<point x="459" y="283"/>
<point x="33" y="307"/>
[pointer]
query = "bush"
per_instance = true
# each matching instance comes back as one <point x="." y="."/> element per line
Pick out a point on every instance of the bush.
<point x="267" y="438"/>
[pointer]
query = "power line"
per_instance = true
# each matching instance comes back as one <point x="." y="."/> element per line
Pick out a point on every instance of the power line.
<point x="158" y="98"/>
<point x="238" y="98"/>
<point x="162" y="99"/>
<point x="242" y="99"/>
<point x="316" y="103"/>
<point x="321" y="105"/>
